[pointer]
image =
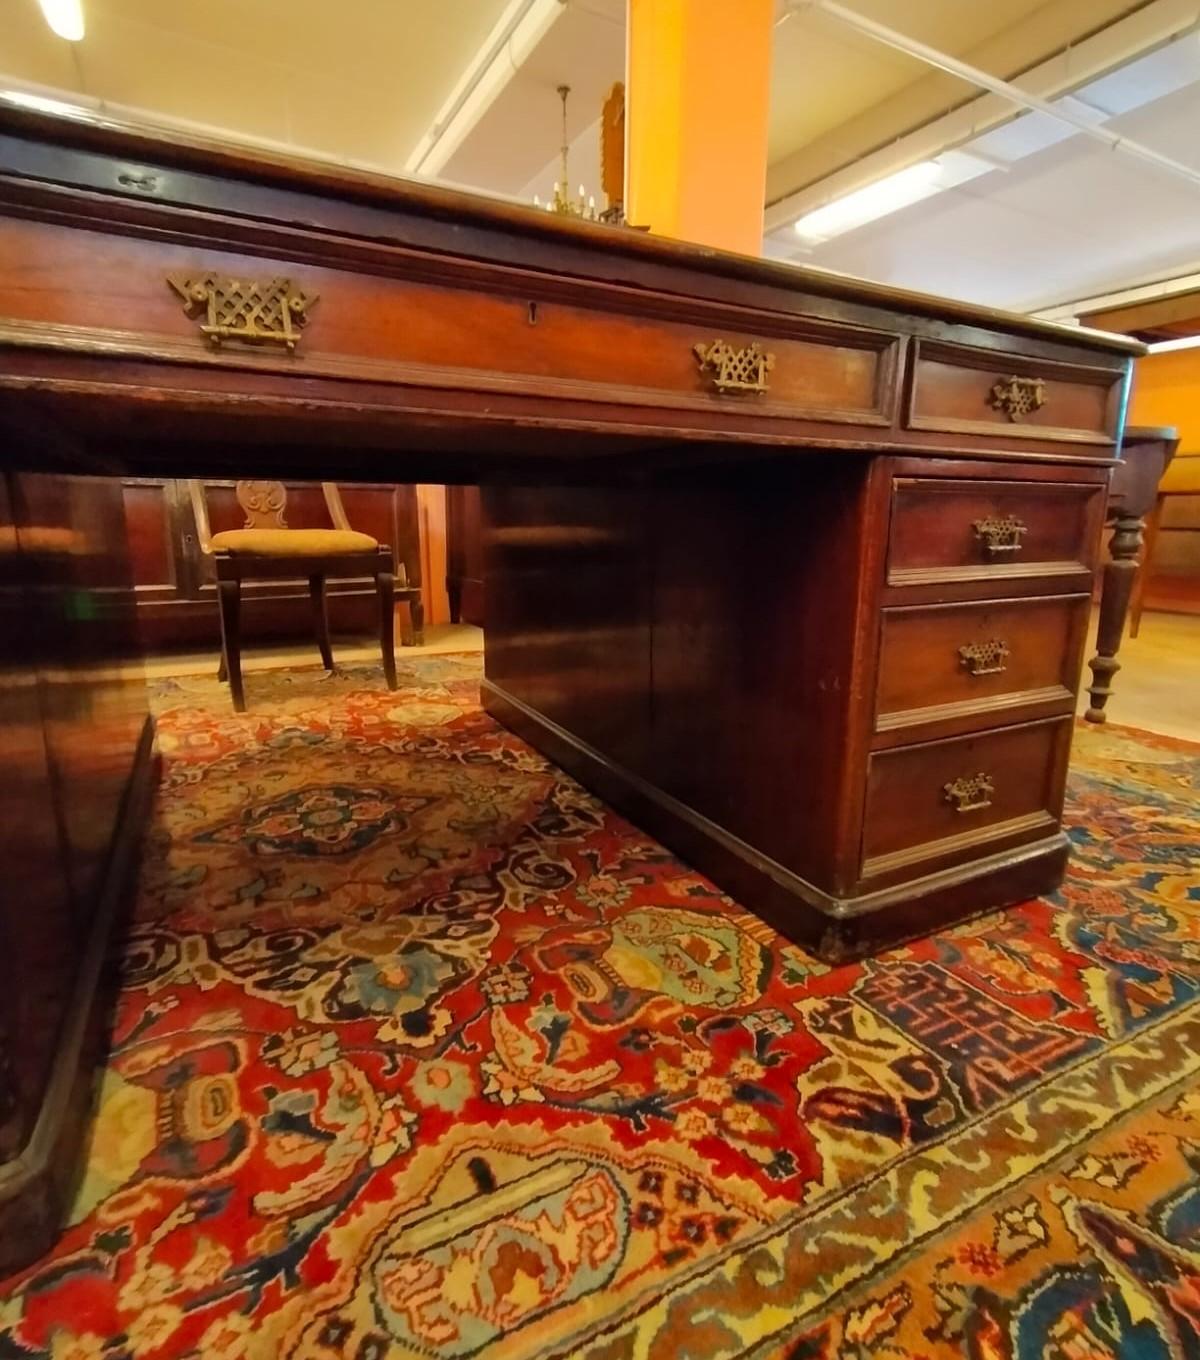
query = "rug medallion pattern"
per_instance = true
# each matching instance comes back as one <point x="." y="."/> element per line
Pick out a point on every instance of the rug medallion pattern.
<point x="423" y="1052"/>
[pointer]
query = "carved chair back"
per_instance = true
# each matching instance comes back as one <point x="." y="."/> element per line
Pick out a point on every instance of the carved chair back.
<point x="263" y="503"/>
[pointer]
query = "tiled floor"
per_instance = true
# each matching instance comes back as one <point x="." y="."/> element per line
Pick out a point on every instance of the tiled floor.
<point x="1158" y="685"/>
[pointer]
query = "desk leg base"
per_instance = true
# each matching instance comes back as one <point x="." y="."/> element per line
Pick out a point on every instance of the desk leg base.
<point x="834" y="928"/>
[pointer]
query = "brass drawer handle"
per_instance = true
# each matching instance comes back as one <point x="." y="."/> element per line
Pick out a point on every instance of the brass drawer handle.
<point x="1018" y="397"/>
<point x="1000" y="535"/>
<point x="735" y="370"/>
<point x="971" y="793"/>
<point x="984" y="658"/>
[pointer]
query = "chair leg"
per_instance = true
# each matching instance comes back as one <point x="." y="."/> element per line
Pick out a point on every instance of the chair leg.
<point x="408" y="637"/>
<point x="316" y="590"/>
<point x="385" y="587"/>
<point x="229" y="597"/>
<point x="222" y="669"/>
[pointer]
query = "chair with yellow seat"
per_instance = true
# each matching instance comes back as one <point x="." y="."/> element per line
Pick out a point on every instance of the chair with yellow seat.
<point x="266" y="549"/>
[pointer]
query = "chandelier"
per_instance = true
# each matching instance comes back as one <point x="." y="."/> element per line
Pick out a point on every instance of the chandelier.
<point x="562" y="202"/>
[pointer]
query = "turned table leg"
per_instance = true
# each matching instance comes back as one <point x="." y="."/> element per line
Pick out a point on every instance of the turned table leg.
<point x="1119" y="573"/>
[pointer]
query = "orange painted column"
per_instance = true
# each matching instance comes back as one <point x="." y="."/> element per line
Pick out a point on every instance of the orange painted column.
<point x="697" y="94"/>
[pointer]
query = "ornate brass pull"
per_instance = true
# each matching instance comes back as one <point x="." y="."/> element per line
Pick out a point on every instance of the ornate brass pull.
<point x="984" y="658"/>
<point x="735" y="370"/>
<point x="971" y="793"/>
<point x="245" y="310"/>
<point x="1018" y="397"/>
<point x="1000" y="535"/>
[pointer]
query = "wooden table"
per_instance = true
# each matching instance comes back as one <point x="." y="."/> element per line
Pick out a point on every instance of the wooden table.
<point x="1146" y="453"/>
<point x="793" y="569"/>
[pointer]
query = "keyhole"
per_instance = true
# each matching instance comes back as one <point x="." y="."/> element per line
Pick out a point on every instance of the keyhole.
<point x="533" y="313"/>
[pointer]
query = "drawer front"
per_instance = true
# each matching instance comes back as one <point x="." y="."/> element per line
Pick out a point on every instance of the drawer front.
<point x="956" y="389"/>
<point x="944" y="529"/>
<point x="471" y="330"/>
<point x="954" y="799"/>
<point x="978" y="662"/>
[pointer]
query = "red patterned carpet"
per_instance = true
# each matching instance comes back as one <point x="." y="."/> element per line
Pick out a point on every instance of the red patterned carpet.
<point x="423" y="1052"/>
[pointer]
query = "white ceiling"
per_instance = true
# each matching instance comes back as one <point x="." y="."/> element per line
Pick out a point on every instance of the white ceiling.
<point x="364" y="81"/>
<point x="360" y="80"/>
<point x="1072" y="220"/>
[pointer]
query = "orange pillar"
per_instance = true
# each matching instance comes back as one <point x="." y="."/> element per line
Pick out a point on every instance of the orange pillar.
<point x="697" y="83"/>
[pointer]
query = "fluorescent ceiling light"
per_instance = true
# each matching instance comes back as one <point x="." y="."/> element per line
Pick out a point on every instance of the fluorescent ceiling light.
<point x="65" y="17"/>
<point x="872" y="201"/>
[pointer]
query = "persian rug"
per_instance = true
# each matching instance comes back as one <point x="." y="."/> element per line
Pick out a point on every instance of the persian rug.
<point x="423" y="1052"/>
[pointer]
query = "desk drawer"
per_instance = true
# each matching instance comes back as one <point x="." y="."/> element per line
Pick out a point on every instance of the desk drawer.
<point x="463" y="327"/>
<point x="978" y="663"/>
<point x="944" y="529"/>
<point x="957" y="389"/>
<point x="948" y="800"/>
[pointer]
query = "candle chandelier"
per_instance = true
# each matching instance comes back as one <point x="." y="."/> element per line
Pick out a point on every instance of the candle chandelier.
<point x="585" y="205"/>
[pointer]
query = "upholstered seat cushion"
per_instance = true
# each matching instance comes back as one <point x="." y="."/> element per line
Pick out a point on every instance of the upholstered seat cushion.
<point x="293" y="542"/>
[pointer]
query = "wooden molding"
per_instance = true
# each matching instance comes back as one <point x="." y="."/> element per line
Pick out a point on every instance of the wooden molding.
<point x="968" y="708"/>
<point x="956" y="845"/>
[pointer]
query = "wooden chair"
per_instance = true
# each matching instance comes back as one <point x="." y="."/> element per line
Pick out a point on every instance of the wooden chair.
<point x="266" y="549"/>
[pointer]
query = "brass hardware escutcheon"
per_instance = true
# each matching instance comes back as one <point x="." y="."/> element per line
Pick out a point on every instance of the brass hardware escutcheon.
<point x="970" y="793"/>
<point x="245" y="310"/>
<point x="1000" y="535"/>
<point x="984" y="658"/>
<point x="735" y="370"/>
<point x="1018" y="397"/>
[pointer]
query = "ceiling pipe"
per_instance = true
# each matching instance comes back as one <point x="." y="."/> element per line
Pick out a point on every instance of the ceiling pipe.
<point x="942" y="61"/>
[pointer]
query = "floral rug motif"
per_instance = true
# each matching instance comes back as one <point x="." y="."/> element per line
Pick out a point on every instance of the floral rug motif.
<point x="423" y="1052"/>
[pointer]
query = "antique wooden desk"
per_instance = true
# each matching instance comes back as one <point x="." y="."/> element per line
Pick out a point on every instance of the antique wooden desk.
<point x="791" y="568"/>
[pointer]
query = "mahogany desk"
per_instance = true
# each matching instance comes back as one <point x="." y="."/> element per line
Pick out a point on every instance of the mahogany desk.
<point x="792" y="568"/>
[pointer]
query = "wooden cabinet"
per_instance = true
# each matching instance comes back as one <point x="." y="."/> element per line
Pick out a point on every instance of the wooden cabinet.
<point x="173" y="585"/>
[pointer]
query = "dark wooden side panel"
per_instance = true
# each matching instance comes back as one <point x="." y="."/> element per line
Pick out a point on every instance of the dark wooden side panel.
<point x="700" y="632"/>
<point x="36" y="945"/>
<point x="755" y="575"/>
<point x="569" y="610"/>
<point x="73" y="733"/>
